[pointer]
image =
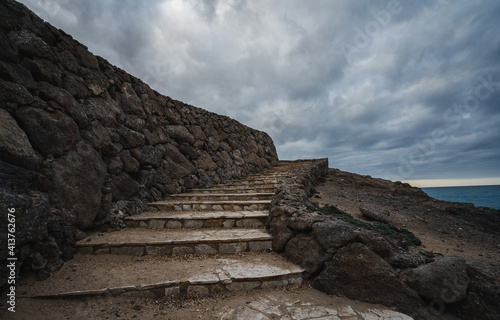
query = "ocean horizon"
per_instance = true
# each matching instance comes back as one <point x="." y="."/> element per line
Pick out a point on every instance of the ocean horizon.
<point x="480" y="196"/>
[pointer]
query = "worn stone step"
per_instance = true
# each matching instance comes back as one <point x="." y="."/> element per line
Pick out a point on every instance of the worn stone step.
<point x="168" y="242"/>
<point x="156" y="277"/>
<point x="234" y="189"/>
<point x="220" y="197"/>
<point x="269" y="175"/>
<point x="210" y="219"/>
<point x="214" y="205"/>
<point x="252" y="182"/>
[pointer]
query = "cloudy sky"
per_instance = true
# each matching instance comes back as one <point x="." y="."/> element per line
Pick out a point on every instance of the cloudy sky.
<point x="402" y="90"/>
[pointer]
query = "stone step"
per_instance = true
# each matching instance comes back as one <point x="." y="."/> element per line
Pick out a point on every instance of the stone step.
<point x="214" y="205"/>
<point x="235" y="189"/>
<point x="209" y="219"/>
<point x="268" y="175"/>
<point x="252" y="182"/>
<point x="155" y="277"/>
<point x="220" y="197"/>
<point x="140" y="241"/>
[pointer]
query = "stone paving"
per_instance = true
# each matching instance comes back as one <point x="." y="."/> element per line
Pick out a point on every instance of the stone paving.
<point x="268" y="307"/>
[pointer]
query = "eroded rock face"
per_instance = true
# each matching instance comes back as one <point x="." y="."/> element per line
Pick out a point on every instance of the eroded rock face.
<point x="98" y="140"/>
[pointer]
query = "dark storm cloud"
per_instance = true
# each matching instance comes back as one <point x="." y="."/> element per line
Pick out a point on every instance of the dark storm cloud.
<point x="397" y="89"/>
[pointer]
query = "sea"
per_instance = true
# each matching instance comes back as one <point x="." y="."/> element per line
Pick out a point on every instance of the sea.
<point x="480" y="196"/>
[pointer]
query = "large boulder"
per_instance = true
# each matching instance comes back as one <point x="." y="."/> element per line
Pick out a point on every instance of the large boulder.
<point x="334" y="234"/>
<point x="65" y="100"/>
<point x="445" y="279"/>
<point x="483" y="296"/>
<point x="31" y="208"/>
<point x="278" y="228"/>
<point x="123" y="187"/>
<point x="180" y="134"/>
<point x="15" y="147"/>
<point x="51" y="133"/>
<point x="307" y="253"/>
<point x="358" y="273"/>
<point x="178" y="165"/>
<point x="74" y="182"/>
<point x="14" y="93"/>
<point x="375" y="213"/>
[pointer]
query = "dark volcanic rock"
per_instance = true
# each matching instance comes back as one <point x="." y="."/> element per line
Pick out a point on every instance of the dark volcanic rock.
<point x="483" y="296"/>
<point x="334" y="234"/>
<point x="17" y="74"/>
<point x="99" y="138"/>
<point x="123" y="187"/>
<point x="51" y="133"/>
<point x="307" y="253"/>
<point x="278" y="228"/>
<point x="14" y="93"/>
<point x="358" y="273"/>
<point x="15" y="147"/>
<point x="65" y="100"/>
<point x="31" y="212"/>
<point x="375" y="213"/>
<point x="445" y="279"/>
<point x="180" y="134"/>
<point x="75" y="182"/>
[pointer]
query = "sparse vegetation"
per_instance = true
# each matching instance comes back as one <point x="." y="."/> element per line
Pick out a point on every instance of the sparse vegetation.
<point x="404" y="237"/>
<point x="315" y="193"/>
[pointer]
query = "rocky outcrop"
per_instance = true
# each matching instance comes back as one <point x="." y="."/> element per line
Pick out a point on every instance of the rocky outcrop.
<point x="445" y="279"/>
<point x="374" y="213"/>
<point x="83" y="142"/>
<point x="359" y="273"/>
<point x="343" y="259"/>
<point x="483" y="294"/>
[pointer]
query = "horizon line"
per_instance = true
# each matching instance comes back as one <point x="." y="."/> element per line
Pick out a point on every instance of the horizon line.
<point x="435" y="183"/>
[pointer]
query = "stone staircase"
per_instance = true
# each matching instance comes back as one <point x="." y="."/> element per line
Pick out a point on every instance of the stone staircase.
<point x="197" y="243"/>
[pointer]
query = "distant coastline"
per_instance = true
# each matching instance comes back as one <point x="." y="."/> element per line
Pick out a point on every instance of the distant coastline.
<point x="480" y="196"/>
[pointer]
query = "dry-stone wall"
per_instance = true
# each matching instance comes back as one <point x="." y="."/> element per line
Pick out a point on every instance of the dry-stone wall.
<point x="83" y="142"/>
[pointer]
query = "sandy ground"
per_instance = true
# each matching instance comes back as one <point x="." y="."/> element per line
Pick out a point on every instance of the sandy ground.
<point x="277" y="303"/>
<point x="91" y="272"/>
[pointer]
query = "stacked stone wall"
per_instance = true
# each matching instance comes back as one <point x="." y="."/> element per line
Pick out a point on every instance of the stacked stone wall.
<point x="83" y="143"/>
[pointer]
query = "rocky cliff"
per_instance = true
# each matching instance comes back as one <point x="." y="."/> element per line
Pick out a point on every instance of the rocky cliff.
<point x="83" y="143"/>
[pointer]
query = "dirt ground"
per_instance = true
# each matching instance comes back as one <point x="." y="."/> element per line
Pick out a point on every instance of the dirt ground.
<point x="274" y="302"/>
<point x="447" y="228"/>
